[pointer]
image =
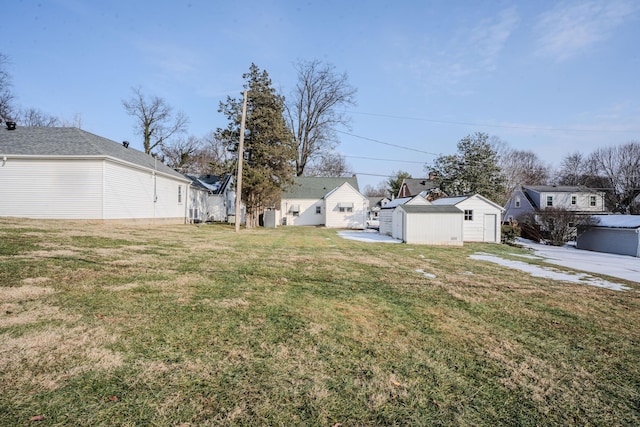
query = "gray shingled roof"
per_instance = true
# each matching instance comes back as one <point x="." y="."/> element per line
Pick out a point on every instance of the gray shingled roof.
<point x="314" y="187"/>
<point x="436" y="209"/>
<point x="418" y="185"/>
<point x="53" y="142"/>
<point x="559" y="188"/>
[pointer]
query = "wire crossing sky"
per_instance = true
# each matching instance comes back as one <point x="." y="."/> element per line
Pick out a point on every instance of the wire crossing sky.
<point x="554" y="77"/>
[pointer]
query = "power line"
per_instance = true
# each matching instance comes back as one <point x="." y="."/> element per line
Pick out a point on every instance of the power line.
<point x="450" y="122"/>
<point x="384" y="160"/>
<point x="388" y="143"/>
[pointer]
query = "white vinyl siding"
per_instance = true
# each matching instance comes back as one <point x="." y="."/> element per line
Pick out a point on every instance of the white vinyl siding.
<point x="129" y="192"/>
<point x="486" y="217"/>
<point x="85" y="188"/>
<point x="429" y="229"/>
<point x="474" y="230"/>
<point x="344" y="197"/>
<point x="51" y="189"/>
<point x="301" y="212"/>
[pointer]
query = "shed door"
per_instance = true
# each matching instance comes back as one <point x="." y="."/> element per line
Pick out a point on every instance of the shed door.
<point x="490" y="227"/>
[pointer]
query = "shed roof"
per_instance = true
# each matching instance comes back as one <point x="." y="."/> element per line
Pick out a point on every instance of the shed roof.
<point x="458" y="199"/>
<point x="51" y="142"/>
<point x="314" y="187"/>
<point x="434" y="209"/>
<point x="617" y="221"/>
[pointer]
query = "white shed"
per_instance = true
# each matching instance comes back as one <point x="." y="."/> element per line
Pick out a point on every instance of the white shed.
<point x="482" y="217"/>
<point x="386" y="212"/>
<point x="68" y="173"/>
<point x="615" y="234"/>
<point x="428" y="224"/>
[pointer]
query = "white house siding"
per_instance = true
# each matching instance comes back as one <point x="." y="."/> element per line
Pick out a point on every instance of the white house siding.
<point x="432" y="229"/>
<point x="129" y="193"/>
<point x="198" y="205"/>
<point x="563" y="200"/>
<point x="345" y="194"/>
<point x="306" y="211"/>
<point x="51" y="189"/>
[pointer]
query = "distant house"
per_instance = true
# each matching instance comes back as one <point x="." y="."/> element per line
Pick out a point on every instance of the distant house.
<point x="616" y="234"/>
<point x="482" y="217"/>
<point x="212" y="198"/>
<point x="531" y="199"/>
<point x="375" y="204"/>
<point x="413" y="186"/>
<point x="68" y="173"/>
<point x="329" y="201"/>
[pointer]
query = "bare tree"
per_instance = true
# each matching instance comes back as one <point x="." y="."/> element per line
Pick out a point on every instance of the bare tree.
<point x="522" y="167"/>
<point x="155" y="120"/>
<point x="7" y="109"/>
<point x="329" y="164"/>
<point x="314" y="112"/>
<point x="573" y="169"/>
<point x="36" y="117"/>
<point x="619" y="166"/>
<point x="378" y="191"/>
<point x="180" y="154"/>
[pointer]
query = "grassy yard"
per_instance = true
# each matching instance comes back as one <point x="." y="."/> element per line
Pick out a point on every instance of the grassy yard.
<point x="198" y="325"/>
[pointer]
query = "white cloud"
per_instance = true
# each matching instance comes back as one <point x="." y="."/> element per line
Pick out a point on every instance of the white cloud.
<point x="572" y="28"/>
<point x="490" y="37"/>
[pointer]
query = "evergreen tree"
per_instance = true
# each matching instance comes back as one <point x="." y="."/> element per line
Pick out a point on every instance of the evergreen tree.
<point x="474" y="169"/>
<point x="268" y="144"/>
<point x="395" y="182"/>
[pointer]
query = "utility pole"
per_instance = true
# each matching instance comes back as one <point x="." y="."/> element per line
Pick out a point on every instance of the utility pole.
<point x="240" y="158"/>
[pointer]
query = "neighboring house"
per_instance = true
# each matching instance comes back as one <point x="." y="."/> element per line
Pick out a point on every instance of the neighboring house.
<point x="482" y="217"/>
<point x="68" y="173"/>
<point x="328" y="201"/>
<point x="616" y="234"/>
<point x="198" y="201"/>
<point x="219" y="203"/>
<point x="375" y="204"/>
<point x="530" y="199"/>
<point x="413" y="186"/>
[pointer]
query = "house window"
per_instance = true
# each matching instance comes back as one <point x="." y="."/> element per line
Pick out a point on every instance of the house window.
<point x="318" y="209"/>
<point x="574" y="200"/>
<point x="468" y="215"/>
<point x="517" y="201"/>
<point x="345" y="207"/>
<point x="179" y="193"/>
<point x="295" y="210"/>
<point x="549" y="200"/>
<point x="592" y="200"/>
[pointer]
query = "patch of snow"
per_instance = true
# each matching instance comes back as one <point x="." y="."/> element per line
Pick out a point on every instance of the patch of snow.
<point x="618" y="221"/>
<point x="620" y="266"/>
<point x="550" y="272"/>
<point x="429" y="275"/>
<point x="367" y="236"/>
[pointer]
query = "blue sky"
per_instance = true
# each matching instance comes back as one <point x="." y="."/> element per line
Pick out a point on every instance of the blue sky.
<point x="554" y="77"/>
